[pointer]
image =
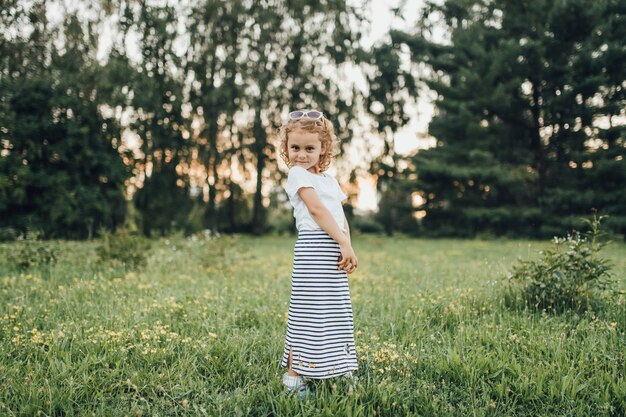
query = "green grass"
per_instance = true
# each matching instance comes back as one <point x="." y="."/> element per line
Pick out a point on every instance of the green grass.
<point x="200" y="331"/>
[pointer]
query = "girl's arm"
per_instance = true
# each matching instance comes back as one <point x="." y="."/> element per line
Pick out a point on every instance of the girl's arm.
<point x="326" y="221"/>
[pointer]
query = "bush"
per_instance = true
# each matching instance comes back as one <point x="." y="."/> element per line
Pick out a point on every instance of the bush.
<point x="367" y="224"/>
<point x="28" y="253"/>
<point x="35" y="254"/>
<point x="569" y="275"/>
<point x="124" y="248"/>
<point x="8" y="234"/>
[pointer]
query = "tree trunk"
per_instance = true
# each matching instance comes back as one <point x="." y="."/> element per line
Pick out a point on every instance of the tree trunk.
<point x="212" y="172"/>
<point x="536" y="145"/>
<point x="212" y="157"/>
<point x="258" y="211"/>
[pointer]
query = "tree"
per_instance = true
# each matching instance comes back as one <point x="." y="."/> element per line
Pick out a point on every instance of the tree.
<point x="214" y="65"/>
<point x="390" y="87"/>
<point x="248" y="63"/>
<point x="516" y="83"/>
<point x="156" y="90"/>
<point x="59" y="170"/>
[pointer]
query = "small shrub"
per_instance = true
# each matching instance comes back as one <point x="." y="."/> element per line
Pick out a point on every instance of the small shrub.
<point x="124" y="248"/>
<point x="29" y="252"/>
<point x="8" y="234"/>
<point x="367" y="224"/>
<point x="35" y="254"/>
<point x="569" y="275"/>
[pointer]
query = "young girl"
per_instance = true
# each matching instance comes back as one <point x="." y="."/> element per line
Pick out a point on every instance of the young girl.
<point x="320" y="329"/>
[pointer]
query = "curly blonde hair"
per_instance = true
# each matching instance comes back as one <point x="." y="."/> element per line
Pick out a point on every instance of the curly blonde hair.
<point x="323" y="127"/>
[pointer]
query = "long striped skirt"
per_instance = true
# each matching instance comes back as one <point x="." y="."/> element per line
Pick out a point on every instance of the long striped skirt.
<point x="320" y="326"/>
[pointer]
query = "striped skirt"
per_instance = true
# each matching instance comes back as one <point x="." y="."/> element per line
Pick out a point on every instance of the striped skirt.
<point x="320" y="327"/>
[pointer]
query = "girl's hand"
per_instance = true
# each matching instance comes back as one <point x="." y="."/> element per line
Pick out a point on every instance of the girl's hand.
<point x="347" y="259"/>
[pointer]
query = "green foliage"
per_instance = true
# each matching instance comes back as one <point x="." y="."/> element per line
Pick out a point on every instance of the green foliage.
<point x="28" y="253"/>
<point x="234" y="214"/>
<point x="367" y="224"/>
<point x="162" y="205"/>
<point x="35" y="254"/>
<point x="519" y="90"/>
<point x="8" y="234"/>
<point x="123" y="248"/>
<point x="569" y="276"/>
<point x="394" y="208"/>
<point x="60" y="169"/>
<point x="280" y="221"/>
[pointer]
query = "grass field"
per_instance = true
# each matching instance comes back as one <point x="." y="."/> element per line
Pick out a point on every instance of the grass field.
<point x="200" y="331"/>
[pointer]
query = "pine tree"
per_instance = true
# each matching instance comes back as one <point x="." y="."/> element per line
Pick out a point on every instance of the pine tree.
<point x="516" y="121"/>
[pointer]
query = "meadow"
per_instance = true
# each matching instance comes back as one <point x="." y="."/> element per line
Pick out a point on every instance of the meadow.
<point x="199" y="331"/>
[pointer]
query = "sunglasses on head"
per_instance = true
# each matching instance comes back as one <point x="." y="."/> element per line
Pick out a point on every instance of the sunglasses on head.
<point x="311" y="114"/>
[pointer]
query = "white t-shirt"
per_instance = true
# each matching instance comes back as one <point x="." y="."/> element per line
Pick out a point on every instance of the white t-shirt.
<point x="326" y="187"/>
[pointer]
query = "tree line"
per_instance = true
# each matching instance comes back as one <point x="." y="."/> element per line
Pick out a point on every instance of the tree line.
<point x="529" y="121"/>
<point x="531" y="116"/>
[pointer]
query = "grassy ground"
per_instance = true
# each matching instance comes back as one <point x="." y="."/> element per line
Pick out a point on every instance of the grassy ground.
<point x="200" y="331"/>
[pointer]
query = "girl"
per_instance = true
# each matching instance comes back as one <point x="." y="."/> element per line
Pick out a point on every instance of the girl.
<point x="320" y="329"/>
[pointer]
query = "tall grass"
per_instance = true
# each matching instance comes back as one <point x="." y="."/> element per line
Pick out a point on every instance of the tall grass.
<point x="200" y="331"/>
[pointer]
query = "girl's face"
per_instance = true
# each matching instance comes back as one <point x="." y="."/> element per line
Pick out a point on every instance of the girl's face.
<point x="304" y="150"/>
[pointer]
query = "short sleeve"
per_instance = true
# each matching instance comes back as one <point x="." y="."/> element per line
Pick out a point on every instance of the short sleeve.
<point x="296" y="179"/>
<point x="340" y="194"/>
